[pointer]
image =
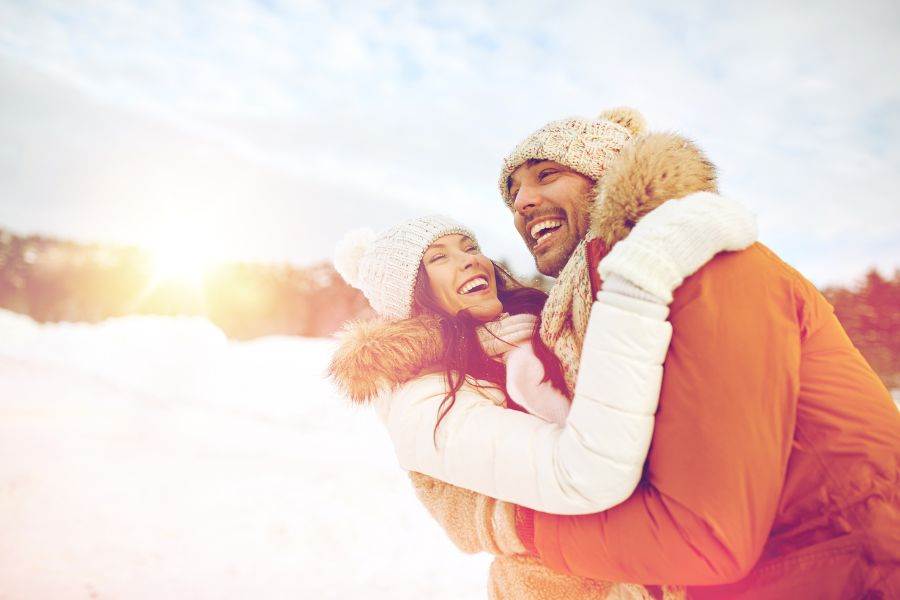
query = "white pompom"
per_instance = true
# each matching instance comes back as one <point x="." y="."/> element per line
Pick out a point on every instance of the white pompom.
<point x="349" y="252"/>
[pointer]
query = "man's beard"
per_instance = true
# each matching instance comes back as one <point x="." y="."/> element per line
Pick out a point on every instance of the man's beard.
<point x="552" y="262"/>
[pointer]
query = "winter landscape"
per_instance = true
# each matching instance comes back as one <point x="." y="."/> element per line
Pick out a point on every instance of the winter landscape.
<point x="174" y="178"/>
<point x="150" y="457"/>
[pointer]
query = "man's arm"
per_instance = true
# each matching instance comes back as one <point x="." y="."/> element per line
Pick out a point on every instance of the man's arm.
<point x="723" y="437"/>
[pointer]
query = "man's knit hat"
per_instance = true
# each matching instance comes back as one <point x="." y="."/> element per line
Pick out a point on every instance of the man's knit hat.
<point x="384" y="266"/>
<point x="587" y="146"/>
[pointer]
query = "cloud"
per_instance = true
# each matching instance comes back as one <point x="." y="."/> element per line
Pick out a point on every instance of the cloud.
<point x="386" y="108"/>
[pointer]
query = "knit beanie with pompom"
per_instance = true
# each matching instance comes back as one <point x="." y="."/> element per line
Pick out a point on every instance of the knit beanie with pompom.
<point x="587" y="146"/>
<point x="384" y="266"/>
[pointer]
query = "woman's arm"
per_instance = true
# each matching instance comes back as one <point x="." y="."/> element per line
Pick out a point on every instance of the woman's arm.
<point x="590" y="464"/>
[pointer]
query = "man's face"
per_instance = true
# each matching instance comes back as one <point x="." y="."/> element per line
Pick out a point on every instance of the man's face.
<point x="550" y="211"/>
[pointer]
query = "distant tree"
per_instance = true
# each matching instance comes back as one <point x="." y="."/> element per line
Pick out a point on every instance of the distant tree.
<point x="870" y="313"/>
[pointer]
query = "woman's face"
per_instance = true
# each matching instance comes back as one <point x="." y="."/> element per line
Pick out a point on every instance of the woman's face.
<point x="460" y="277"/>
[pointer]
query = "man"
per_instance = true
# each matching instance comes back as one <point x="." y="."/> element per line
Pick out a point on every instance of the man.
<point x="774" y="466"/>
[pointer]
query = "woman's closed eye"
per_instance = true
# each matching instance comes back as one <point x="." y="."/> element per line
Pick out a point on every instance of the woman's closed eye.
<point x="435" y="257"/>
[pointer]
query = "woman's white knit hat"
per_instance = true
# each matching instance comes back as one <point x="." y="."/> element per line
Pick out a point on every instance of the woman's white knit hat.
<point x="384" y="266"/>
<point x="587" y="146"/>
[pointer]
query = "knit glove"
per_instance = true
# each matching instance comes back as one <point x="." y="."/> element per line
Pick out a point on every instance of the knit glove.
<point x="674" y="240"/>
<point x="472" y="521"/>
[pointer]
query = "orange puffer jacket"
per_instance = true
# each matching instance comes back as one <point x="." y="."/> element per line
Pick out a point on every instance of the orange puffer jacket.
<point x="773" y="471"/>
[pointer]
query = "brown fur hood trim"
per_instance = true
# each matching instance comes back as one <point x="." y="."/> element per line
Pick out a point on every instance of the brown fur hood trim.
<point x="652" y="169"/>
<point x="378" y="354"/>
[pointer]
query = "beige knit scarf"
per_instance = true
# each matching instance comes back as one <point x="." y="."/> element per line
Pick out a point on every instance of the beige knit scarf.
<point x="565" y="315"/>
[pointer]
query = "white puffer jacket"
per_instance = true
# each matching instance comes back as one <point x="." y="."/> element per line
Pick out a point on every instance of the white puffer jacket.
<point x="591" y="464"/>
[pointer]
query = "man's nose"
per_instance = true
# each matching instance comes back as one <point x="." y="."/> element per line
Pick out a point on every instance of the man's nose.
<point x="526" y="200"/>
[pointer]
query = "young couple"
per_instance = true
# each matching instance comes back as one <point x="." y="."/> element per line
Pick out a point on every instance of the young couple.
<point x="762" y="464"/>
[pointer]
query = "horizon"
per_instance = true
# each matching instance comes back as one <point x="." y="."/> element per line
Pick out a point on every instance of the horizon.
<point x="192" y="271"/>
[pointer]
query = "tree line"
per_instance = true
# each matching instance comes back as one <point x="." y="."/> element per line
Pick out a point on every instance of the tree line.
<point x="57" y="280"/>
<point x="52" y="280"/>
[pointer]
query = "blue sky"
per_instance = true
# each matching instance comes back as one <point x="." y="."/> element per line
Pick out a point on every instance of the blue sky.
<point x="267" y="129"/>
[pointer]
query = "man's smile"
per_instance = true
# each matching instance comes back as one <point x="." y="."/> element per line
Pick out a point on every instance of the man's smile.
<point x="542" y="230"/>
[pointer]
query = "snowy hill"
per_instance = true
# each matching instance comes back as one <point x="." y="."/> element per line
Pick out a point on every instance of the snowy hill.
<point x="150" y="457"/>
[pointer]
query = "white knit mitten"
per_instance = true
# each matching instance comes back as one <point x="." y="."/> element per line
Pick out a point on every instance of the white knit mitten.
<point x="675" y="239"/>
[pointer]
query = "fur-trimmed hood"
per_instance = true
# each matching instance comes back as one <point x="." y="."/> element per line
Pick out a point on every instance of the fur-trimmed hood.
<point x="378" y="353"/>
<point x="654" y="168"/>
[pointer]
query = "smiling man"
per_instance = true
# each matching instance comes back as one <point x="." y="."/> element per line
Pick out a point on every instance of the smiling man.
<point x="774" y="468"/>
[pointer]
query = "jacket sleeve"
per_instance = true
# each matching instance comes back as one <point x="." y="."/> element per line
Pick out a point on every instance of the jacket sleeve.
<point x="591" y="463"/>
<point x="723" y="436"/>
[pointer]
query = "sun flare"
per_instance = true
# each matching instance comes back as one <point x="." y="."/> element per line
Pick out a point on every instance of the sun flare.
<point x="183" y="260"/>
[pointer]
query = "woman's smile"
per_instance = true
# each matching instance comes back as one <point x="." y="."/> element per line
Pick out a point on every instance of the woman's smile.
<point x="461" y="278"/>
<point x="477" y="285"/>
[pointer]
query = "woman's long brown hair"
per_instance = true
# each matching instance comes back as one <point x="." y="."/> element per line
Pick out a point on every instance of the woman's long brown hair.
<point x="463" y="357"/>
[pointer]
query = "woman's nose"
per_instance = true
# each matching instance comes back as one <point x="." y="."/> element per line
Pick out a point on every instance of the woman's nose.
<point x="466" y="261"/>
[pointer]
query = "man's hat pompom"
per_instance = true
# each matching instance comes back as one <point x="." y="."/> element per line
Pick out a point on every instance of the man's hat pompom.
<point x="349" y="253"/>
<point x="629" y="118"/>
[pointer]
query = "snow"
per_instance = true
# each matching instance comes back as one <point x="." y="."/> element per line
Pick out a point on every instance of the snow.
<point x="150" y="457"/>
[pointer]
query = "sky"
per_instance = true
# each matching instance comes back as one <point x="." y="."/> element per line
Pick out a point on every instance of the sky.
<point x="267" y="130"/>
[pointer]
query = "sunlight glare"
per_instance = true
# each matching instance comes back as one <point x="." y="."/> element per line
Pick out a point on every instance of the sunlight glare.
<point x="183" y="259"/>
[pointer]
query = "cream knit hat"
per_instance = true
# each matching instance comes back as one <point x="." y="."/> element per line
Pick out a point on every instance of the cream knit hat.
<point x="384" y="266"/>
<point x="587" y="146"/>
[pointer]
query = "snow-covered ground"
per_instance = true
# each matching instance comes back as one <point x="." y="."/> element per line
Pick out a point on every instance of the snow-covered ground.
<point x="150" y="457"/>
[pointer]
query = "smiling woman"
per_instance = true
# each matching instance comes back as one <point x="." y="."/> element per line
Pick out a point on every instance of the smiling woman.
<point x="431" y="271"/>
